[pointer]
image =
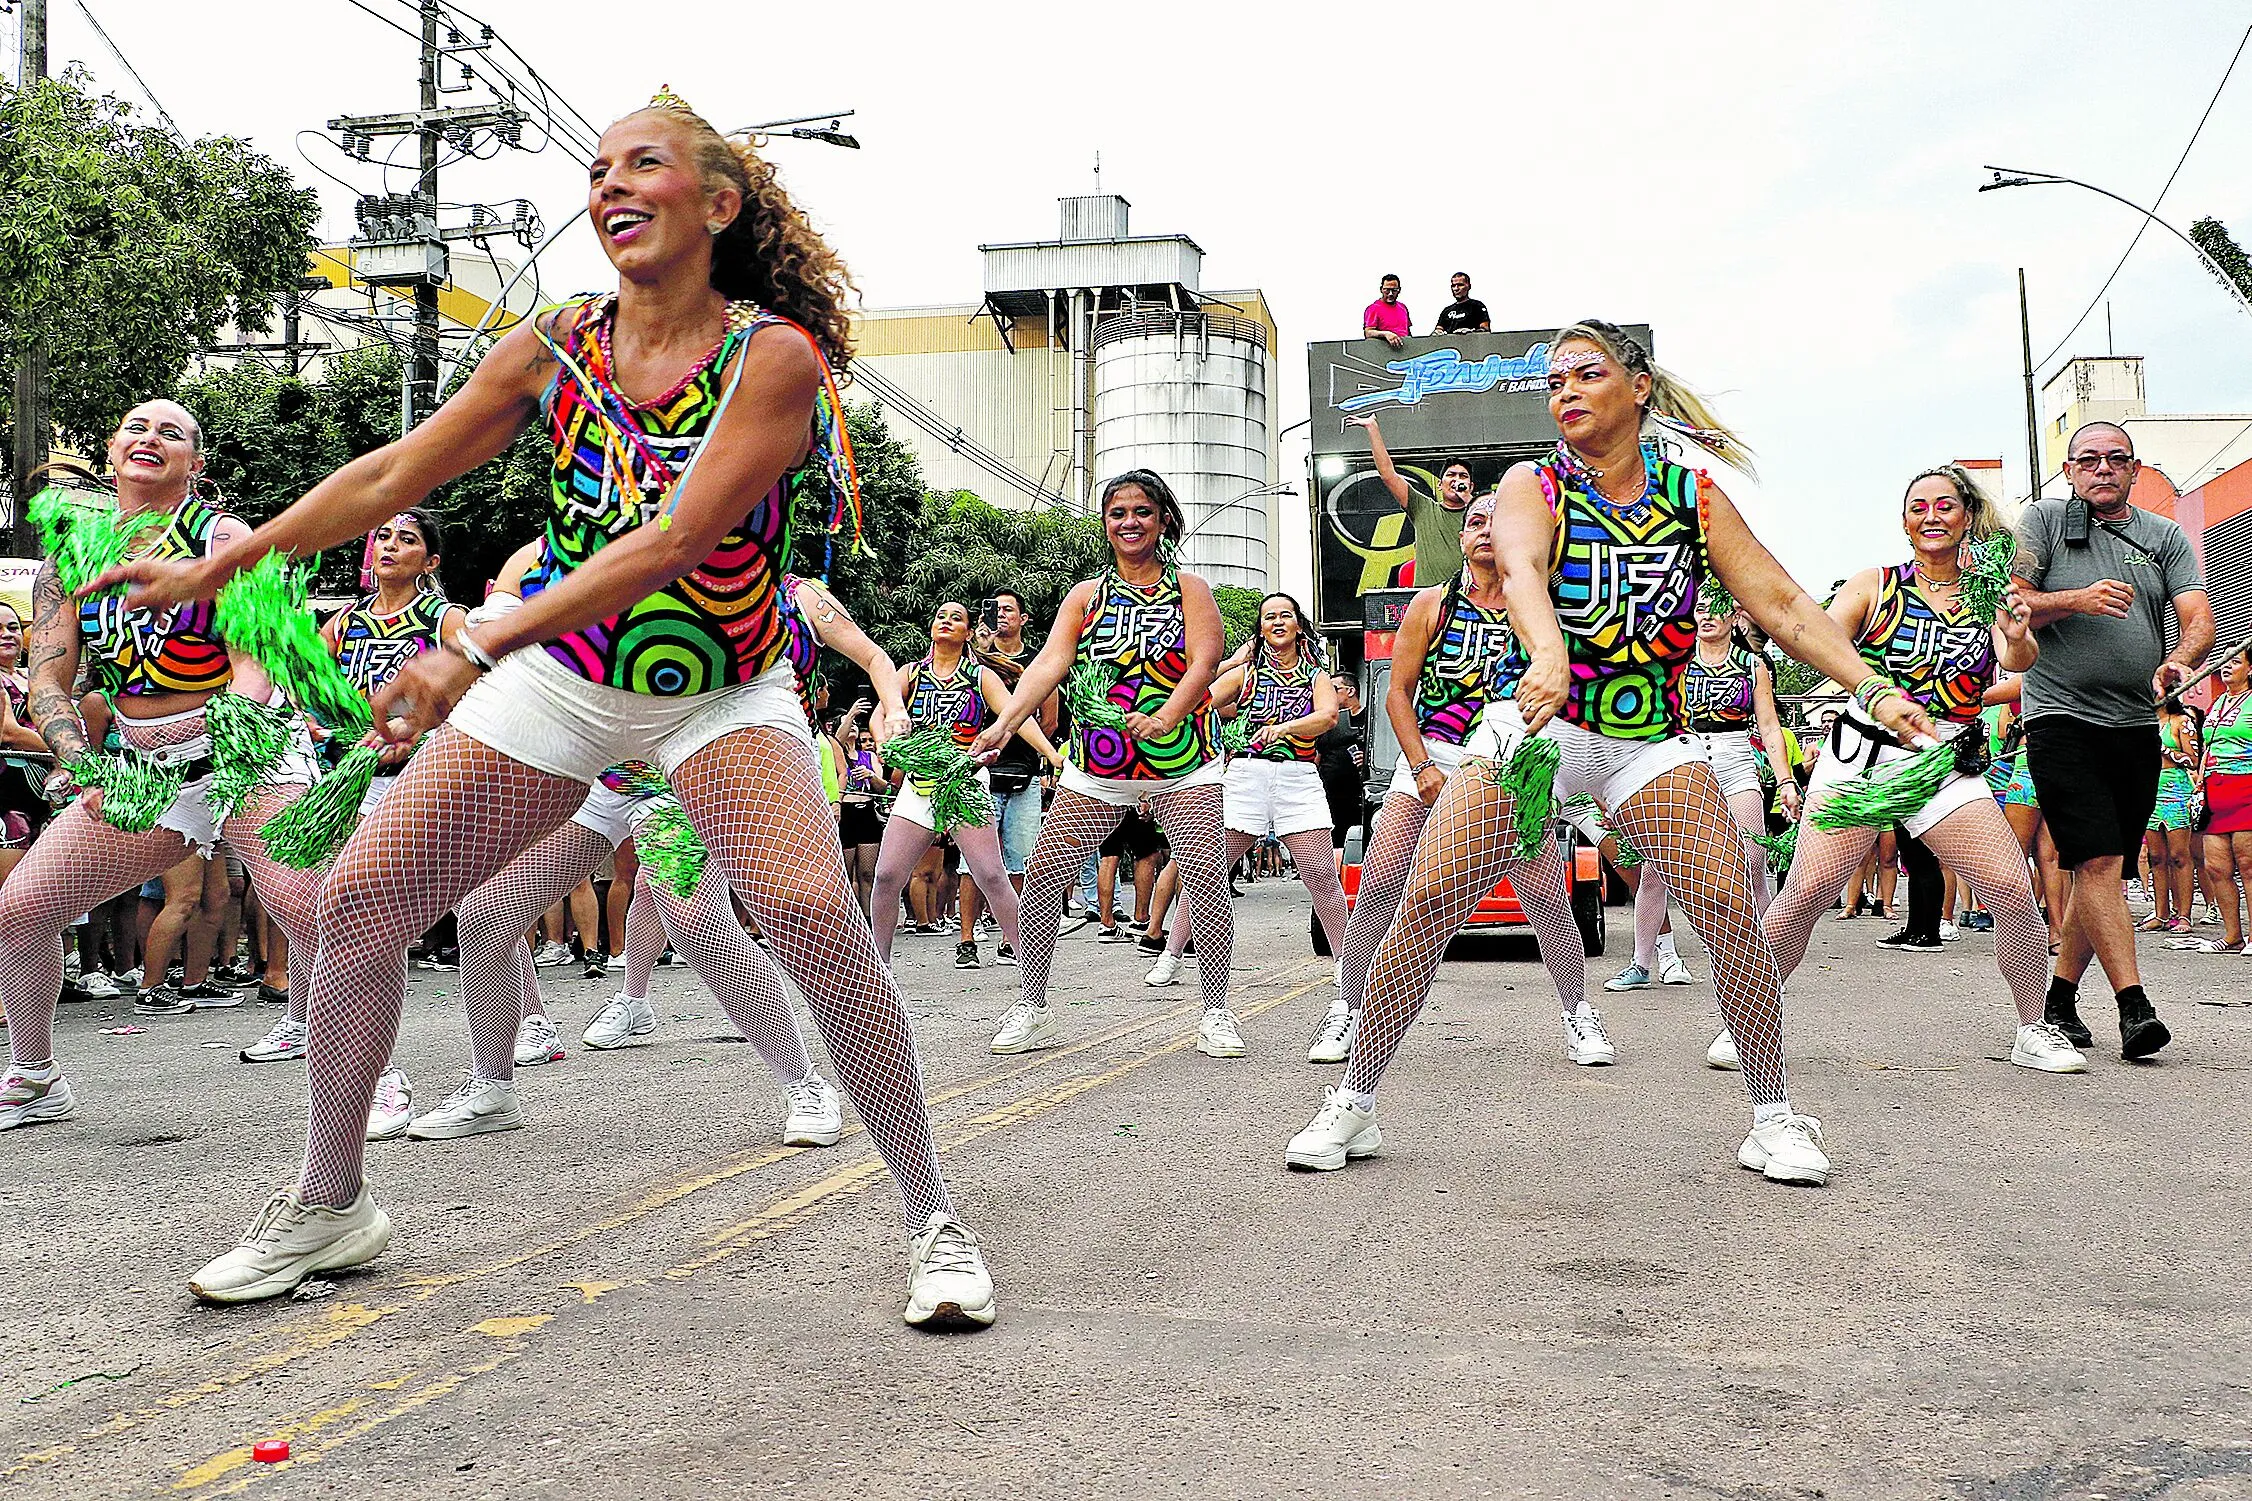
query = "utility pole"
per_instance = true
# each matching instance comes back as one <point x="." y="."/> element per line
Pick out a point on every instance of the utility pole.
<point x="32" y="426"/>
<point x="2032" y="422"/>
<point x="422" y="398"/>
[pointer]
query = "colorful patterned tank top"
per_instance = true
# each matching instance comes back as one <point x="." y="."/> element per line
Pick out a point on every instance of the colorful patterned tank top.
<point x="636" y="779"/>
<point x="1624" y="581"/>
<point x="953" y="703"/>
<point x="1273" y="696"/>
<point x="801" y="648"/>
<point x="2228" y="735"/>
<point x="1945" y="664"/>
<point x="371" y="648"/>
<point x="1718" y="699"/>
<point x="1140" y="633"/>
<point x="1467" y="663"/>
<point x="135" y="652"/>
<point x="616" y="463"/>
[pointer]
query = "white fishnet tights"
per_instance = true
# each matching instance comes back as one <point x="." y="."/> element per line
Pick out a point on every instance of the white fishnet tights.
<point x="1652" y="896"/>
<point x="905" y="844"/>
<point x="742" y="976"/>
<point x="1975" y="842"/>
<point x="1316" y="858"/>
<point x="1190" y="817"/>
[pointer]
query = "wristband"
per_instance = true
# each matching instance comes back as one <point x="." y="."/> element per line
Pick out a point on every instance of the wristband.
<point x="1874" y="690"/>
<point x="465" y="646"/>
<point x="1422" y="766"/>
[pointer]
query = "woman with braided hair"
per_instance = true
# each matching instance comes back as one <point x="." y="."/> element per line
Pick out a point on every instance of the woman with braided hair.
<point x="1282" y="693"/>
<point x="1154" y="632"/>
<point x="1908" y="622"/>
<point x="1613" y="541"/>
<point x="1451" y="658"/>
<point x="686" y="411"/>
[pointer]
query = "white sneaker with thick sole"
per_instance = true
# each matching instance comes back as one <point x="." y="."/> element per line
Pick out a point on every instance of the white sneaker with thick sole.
<point x="479" y="1106"/>
<point x="537" y="1041"/>
<point x="1218" y="1036"/>
<point x="552" y="955"/>
<point x="2042" y="1046"/>
<point x="1025" y="1029"/>
<point x="283" y="1041"/>
<point x="1166" y="971"/>
<point x="1722" y="1053"/>
<point x="100" y="986"/>
<point x="1671" y="971"/>
<point x="25" y="1102"/>
<point x="1585" y="1041"/>
<point x="1338" y="1133"/>
<point x="393" y="1110"/>
<point x="624" y="1021"/>
<point x="947" y="1283"/>
<point x="1333" y="1040"/>
<point x="291" y="1241"/>
<point x="1788" y="1150"/>
<point x="816" y="1116"/>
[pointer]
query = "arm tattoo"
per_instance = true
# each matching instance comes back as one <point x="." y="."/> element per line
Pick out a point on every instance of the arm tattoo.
<point x="53" y="631"/>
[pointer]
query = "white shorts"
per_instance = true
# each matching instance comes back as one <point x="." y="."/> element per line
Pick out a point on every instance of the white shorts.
<point x="533" y="709"/>
<point x="1448" y="758"/>
<point x="1274" y="797"/>
<point x="614" y="815"/>
<point x="1133" y="792"/>
<point x="1584" y="816"/>
<point x="1733" y="761"/>
<point x="915" y="806"/>
<point x="1607" y="769"/>
<point x="1846" y="756"/>
<point x="173" y="738"/>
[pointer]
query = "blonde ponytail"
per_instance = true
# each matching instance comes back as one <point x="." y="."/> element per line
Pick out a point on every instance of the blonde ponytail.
<point x="1673" y="404"/>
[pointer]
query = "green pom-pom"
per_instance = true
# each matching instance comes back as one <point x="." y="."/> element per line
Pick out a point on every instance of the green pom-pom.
<point x="670" y="849"/>
<point x="81" y="533"/>
<point x="248" y="741"/>
<point x="1713" y="597"/>
<point x="315" y="826"/>
<point x="1986" y="575"/>
<point x="1235" y="734"/>
<point x="1529" y="777"/>
<point x="263" y="614"/>
<point x="1781" y="849"/>
<point x="1086" y="693"/>
<point x="1628" y="856"/>
<point x="944" y="773"/>
<point x="135" y="789"/>
<point x="1884" y="795"/>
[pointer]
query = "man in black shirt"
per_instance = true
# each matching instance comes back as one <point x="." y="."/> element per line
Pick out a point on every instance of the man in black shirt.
<point x="1466" y="314"/>
<point x="1342" y="763"/>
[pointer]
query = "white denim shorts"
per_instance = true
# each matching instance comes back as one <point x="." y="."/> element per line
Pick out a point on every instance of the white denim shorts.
<point x="1606" y="769"/>
<point x="1448" y="758"/>
<point x="1733" y="761"/>
<point x="614" y="815"/>
<point x="172" y="738"/>
<point x="915" y="806"/>
<point x="535" y="710"/>
<point x="1846" y="755"/>
<point x="1584" y="816"/>
<point x="1133" y="792"/>
<point x="1274" y="797"/>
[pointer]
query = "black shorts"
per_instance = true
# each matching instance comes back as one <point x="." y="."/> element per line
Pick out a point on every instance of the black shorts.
<point x="1135" y="839"/>
<point x="2098" y="784"/>
<point x="1346" y="791"/>
<point x="859" y="823"/>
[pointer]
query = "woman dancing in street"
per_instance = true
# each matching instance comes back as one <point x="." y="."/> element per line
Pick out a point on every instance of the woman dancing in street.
<point x="1908" y="621"/>
<point x="1451" y="658"/>
<point x="1611" y="539"/>
<point x="2173" y="868"/>
<point x="1158" y="631"/>
<point x="1273" y="787"/>
<point x="159" y="667"/>
<point x="2228" y="805"/>
<point x="686" y="410"/>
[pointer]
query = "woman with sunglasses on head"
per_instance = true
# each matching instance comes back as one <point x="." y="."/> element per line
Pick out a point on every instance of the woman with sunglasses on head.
<point x="1604" y="548"/>
<point x="1157" y="631"/>
<point x="686" y="412"/>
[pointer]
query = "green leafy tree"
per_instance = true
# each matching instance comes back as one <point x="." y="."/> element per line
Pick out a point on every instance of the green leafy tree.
<point x="1239" y="612"/>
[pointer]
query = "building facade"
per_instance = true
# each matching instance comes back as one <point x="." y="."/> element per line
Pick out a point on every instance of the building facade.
<point x="2187" y="449"/>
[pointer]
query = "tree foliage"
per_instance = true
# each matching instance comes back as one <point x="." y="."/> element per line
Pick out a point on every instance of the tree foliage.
<point x="124" y="250"/>
<point x="1239" y="612"/>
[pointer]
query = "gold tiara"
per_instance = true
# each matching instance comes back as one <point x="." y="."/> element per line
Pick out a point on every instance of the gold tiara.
<point x="666" y="99"/>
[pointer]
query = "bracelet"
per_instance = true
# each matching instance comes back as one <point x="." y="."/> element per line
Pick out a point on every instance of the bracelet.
<point x="1422" y="766"/>
<point x="1874" y="690"/>
<point x="465" y="646"/>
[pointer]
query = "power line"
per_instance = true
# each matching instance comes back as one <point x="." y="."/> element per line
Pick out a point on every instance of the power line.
<point x="130" y="72"/>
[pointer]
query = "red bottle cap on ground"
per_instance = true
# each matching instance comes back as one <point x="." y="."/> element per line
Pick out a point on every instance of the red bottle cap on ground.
<point x="272" y="1451"/>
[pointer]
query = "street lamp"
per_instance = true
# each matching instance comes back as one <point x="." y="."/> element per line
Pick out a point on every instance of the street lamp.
<point x="1249" y="495"/>
<point x="2016" y="177"/>
<point x="808" y="128"/>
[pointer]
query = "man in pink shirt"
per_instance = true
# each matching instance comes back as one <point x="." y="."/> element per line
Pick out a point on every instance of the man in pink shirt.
<point x="1387" y="317"/>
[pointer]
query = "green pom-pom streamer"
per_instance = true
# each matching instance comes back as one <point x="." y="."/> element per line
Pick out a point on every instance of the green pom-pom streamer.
<point x="671" y="850"/>
<point x="1883" y="796"/>
<point x="1235" y="734"/>
<point x="81" y="533"/>
<point x="1713" y="597"/>
<point x="1628" y="856"/>
<point x="315" y="827"/>
<point x="1986" y="575"/>
<point x="263" y="614"/>
<point x="248" y="741"/>
<point x="932" y="760"/>
<point x="1086" y="693"/>
<point x="135" y="789"/>
<point x="1781" y="849"/>
<point x="1529" y="777"/>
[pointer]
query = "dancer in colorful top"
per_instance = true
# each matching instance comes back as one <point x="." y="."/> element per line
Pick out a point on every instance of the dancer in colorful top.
<point x="652" y="629"/>
<point x="1283" y="695"/>
<point x="2228" y="803"/>
<point x="1155" y="630"/>
<point x="1910" y="625"/>
<point x="2167" y="840"/>
<point x="1450" y="658"/>
<point x="1604" y="548"/>
<point x="948" y="690"/>
<point x="159" y="668"/>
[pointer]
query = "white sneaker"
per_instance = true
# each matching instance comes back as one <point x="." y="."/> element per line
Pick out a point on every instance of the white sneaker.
<point x="1025" y="1029"/>
<point x="2042" y="1046"/>
<point x="1166" y="971"/>
<point x="393" y="1110"/>
<point x="286" y="1040"/>
<point x="816" y="1114"/>
<point x="1671" y="971"/>
<point x="616" y="964"/>
<point x="623" y="1021"/>
<point x="100" y="986"/>
<point x="1217" y="1035"/>
<point x="552" y="955"/>
<point x="1633" y="977"/>
<point x="1585" y="1041"/>
<point x="1722" y="1053"/>
<point x="1788" y="1150"/>
<point x="289" y="1242"/>
<point x="1948" y="932"/>
<point x="1333" y="1040"/>
<point x="537" y="1041"/>
<point x="947" y="1283"/>
<point x="1338" y="1133"/>
<point x="479" y="1106"/>
<point x="26" y="1103"/>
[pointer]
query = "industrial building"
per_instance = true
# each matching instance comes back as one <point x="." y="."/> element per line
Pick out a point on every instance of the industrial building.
<point x="2188" y="449"/>
<point x="1089" y="354"/>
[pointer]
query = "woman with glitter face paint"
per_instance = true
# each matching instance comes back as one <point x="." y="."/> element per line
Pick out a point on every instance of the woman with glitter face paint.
<point x="686" y="411"/>
<point x="1603" y="550"/>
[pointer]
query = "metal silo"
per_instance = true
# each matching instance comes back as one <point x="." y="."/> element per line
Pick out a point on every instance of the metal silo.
<point x="1186" y="394"/>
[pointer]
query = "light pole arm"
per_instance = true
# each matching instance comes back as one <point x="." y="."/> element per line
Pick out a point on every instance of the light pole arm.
<point x="2013" y="177"/>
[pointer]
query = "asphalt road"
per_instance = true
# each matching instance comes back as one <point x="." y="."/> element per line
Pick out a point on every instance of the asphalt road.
<point x="1554" y="1282"/>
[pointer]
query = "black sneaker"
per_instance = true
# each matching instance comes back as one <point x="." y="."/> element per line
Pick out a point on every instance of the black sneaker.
<point x="1117" y="935"/>
<point x="1980" y="921"/>
<point x="2141" y="1033"/>
<point x="1904" y="941"/>
<point x="1005" y="956"/>
<point x="2064" y="1015"/>
<point x="162" y="1000"/>
<point x="597" y="964"/>
<point x="1152" y="946"/>
<point x="965" y="955"/>
<point x="270" y="996"/>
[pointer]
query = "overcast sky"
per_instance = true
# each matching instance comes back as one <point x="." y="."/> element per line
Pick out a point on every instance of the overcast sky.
<point x="1784" y="192"/>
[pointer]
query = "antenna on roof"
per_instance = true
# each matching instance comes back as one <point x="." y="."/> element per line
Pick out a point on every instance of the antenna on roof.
<point x="1098" y="173"/>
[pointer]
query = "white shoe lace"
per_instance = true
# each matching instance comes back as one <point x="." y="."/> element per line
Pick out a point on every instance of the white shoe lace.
<point x="809" y="1097"/>
<point x="2052" y="1037"/>
<point x="281" y="1034"/>
<point x="1334" y="1027"/>
<point x="1806" y="1128"/>
<point x="1587" y="1026"/>
<point x="952" y="1249"/>
<point x="1221" y="1025"/>
<point x="274" y="1221"/>
<point x="471" y="1087"/>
